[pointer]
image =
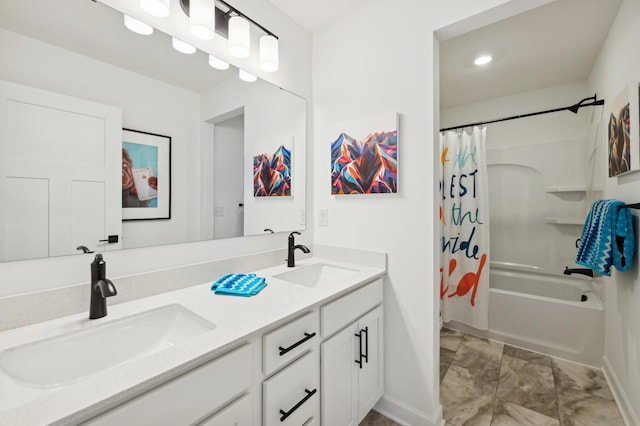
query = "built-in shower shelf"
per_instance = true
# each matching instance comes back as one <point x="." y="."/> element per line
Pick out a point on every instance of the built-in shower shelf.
<point x="575" y="188"/>
<point x="564" y="220"/>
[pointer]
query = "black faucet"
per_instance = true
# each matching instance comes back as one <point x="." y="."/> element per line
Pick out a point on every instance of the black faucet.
<point x="291" y="259"/>
<point x="101" y="288"/>
<point x="583" y="271"/>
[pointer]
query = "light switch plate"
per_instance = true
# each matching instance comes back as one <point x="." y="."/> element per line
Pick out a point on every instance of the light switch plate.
<point x="218" y="211"/>
<point x="302" y="217"/>
<point x="323" y="217"/>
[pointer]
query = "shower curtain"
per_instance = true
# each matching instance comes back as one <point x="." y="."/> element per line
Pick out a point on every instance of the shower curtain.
<point x="464" y="223"/>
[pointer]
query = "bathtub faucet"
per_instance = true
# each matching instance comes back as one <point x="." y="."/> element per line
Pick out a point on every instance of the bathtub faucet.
<point x="583" y="271"/>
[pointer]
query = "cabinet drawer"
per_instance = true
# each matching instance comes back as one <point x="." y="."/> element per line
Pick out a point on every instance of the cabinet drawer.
<point x="292" y="397"/>
<point x="288" y="342"/>
<point x="239" y="413"/>
<point x="188" y="398"/>
<point x="335" y="315"/>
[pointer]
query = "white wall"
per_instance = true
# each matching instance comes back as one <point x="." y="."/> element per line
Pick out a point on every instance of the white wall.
<point x="145" y="107"/>
<point x="382" y="58"/>
<point x="614" y="69"/>
<point x="295" y="75"/>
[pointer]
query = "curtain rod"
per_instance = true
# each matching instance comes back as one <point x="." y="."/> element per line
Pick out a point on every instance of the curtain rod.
<point x="573" y="108"/>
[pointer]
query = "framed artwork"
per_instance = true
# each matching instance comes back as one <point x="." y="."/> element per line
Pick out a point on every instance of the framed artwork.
<point x="272" y="173"/>
<point x="146" y="176"/>
<point x="364" y="157"/>
<point x="622" y="121"/>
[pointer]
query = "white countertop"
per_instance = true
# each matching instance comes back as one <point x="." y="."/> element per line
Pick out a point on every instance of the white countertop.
<point x="237" y="319"/>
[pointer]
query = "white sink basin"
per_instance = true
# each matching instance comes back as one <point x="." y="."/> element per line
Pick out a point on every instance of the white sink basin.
<point x="315" y="274"/>
<point x="73" y="356"/>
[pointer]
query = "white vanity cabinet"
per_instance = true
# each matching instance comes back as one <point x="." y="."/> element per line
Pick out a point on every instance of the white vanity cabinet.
<point x="192" y="397"/>
<point x="352" y="358"/>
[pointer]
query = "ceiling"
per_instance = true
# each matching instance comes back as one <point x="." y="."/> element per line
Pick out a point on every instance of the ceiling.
<point x="554" y="44"/>
<point x="314" y="15"/>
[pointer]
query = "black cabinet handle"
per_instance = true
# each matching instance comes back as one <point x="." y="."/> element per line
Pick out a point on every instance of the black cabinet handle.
<point x="360" y="356"/>
<point x="306" y="337"/>
<point x="366" y="344"/>
<point x="286" y="414"/>
<point x="111" y="239"/>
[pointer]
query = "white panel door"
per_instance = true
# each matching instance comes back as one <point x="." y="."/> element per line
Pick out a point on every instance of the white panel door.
<point x="339" y="386"/>
<point x="75" y="147"/>
<point x="370" y="376"/>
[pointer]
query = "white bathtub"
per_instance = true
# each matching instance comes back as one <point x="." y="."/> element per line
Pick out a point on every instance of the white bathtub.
<point x="544" y="313"/>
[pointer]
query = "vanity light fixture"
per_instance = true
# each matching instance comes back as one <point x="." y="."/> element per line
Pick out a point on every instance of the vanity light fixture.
<point x="218" y="63"/>
<point x="239" y="37"/>
<point x="483" y="60"/>
<point x="269" y="60"/>
<point x="202" y="15"/>
<point x="136" y="26"/>
<point x="245" y="76"/>
<point x="181" y="46"/>
<point x="157" y="8"/>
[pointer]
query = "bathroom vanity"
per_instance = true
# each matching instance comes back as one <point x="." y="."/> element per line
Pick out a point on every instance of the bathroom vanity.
<point x="193" y="357"/>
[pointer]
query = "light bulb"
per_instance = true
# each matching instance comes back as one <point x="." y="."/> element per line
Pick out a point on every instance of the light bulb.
<point x="218" y="63"/>
<point x="136" y="26"/>
<point x="202" y="18"/>
<point x="269" y="53"/>
<point x="239" y="37"/>
<point x="181" y="46"/>
<point x="245" y="76"/>
<point x="483" y="60"/>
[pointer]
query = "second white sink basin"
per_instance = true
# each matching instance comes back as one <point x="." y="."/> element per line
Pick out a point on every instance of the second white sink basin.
<point x="315" y="274"/>
<point x="73" y="356"/>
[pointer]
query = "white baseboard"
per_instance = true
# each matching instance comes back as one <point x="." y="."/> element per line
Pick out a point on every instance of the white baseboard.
<point x="406" y="415"/>
<point x="629" y="417"/>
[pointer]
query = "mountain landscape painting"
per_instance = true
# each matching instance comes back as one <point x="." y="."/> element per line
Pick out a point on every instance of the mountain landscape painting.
<point x="366" y="166"/>
<point x="272" y="174"/>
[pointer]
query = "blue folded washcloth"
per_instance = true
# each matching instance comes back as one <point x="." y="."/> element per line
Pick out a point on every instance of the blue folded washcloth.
<point x="239" y="284"/>
<point x="607" y="238"/>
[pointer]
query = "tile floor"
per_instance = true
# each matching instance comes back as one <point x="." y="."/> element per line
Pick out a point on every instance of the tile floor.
<point x="483" y="382"/>
<point x="487" y="383"/>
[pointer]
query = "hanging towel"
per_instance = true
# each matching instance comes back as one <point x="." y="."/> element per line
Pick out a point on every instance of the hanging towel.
<point x="607" y="238"/>
<point x="239" y="285"/>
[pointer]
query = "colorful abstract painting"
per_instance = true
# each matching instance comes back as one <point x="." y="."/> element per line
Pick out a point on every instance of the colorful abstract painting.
<point x="367" y="166"/>
<point x="272" y="174"/>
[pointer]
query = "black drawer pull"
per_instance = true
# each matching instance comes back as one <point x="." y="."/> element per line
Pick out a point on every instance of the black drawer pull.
<point x="286" y="414"/>
<point x="306" y="337"/>
<point x="366" y="344"/>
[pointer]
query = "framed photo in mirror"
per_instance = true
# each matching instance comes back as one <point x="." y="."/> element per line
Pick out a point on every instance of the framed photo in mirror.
<point x="146" y="175"/>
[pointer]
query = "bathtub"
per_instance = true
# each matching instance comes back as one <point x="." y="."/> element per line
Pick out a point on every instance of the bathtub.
<point x="555" y="315"/>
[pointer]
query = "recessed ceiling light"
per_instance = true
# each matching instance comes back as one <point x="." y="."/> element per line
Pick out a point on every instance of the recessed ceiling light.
<point x="483" y="60"/>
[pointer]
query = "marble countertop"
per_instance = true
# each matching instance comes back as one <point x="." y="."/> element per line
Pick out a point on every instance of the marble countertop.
<point x="236" y="319"/>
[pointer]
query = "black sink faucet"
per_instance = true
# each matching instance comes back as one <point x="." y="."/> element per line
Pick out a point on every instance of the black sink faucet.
<point x="101" y="288"/>
<point x="291" y="258"/>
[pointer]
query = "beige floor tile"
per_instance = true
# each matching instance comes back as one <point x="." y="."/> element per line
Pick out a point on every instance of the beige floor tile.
<point x="480" y="356"/>
<point x="584" y="409"/>
<point x="450" y="339"/>
<point x="528" y="384"/>
<point x="506" y="413"/>
<point x="467" y="399"/>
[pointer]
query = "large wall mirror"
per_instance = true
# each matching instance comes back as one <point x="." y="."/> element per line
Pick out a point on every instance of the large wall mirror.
<point x="73" y="76"/>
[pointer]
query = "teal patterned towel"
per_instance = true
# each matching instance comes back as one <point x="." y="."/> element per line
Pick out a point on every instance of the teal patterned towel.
<point x="245" y="285"/>
<point x="607" y="238"/>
